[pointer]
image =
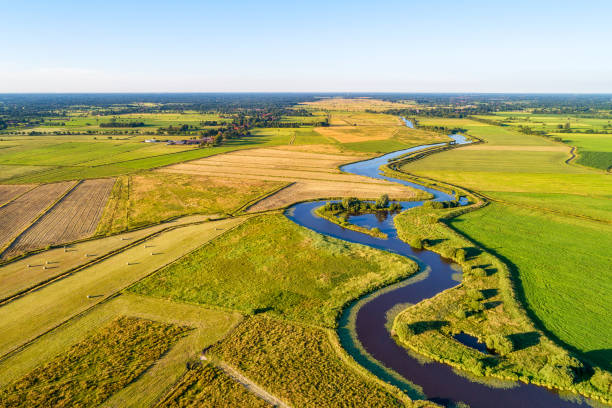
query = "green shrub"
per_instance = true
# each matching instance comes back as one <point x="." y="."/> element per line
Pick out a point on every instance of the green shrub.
<point x="602" y="380"/>
<point x="404" y="330"/>
<point x="460" y="255"/>
<point x="416" y="243"/>
<point x="501" y="344"/>
<point x="478" y="272"/>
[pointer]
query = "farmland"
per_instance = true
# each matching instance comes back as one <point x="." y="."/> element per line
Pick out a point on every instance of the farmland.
<point x="316" y="175"/>
<point x="149" y="198"/>
<point x="75" y="217"/>
<point x="19" y="214"/>
<point x="159" y="274"/>
<point x="41" y="310"/>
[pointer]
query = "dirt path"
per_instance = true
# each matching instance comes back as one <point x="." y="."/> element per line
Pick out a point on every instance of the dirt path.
<point x="248" y="383"/>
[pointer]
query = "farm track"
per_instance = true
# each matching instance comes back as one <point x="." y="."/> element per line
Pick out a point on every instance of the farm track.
<point x="20" y="213"/>
<point x="247" y="383"/>
<point x="74" y="217"/>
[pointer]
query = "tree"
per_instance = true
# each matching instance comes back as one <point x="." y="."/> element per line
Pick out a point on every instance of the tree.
<point x="383" y="201"/>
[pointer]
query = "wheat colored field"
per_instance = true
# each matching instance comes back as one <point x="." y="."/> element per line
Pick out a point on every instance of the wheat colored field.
<point x="8" y="193"/>
<point x="316" y="175"/>
<point x="20" y="213"/>
<point x="75" y="217"/>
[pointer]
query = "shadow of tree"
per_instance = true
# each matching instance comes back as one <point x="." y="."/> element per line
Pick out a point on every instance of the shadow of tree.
<point x="523" y="340"/>
<point x="422" y="327"/>
<point x="603" y="357"/>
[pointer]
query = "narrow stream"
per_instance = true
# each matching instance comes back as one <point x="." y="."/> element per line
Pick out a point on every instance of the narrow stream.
<point x="439" y="382"/>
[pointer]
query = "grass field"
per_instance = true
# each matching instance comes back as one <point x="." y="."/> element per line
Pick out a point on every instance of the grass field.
<point x="568" y="290"/>
<point x="209" y="387"/>
<point x="92" y="370"/>
<point x="37" y="312"/>
<point x="278" y="355"/>
<point x="75" y="217"/>
<point x="205" y="328"/>
<point x="270" y="264"/>
<point x="550" y="251"/>
<point x="151" y="197"/>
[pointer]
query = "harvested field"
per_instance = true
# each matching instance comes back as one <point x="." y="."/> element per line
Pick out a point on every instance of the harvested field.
<point x="353" y="134"/>
<point x="75" y="217"/>
<point x="19" y="214"/>
<point x="34" y="269"/>
<point x="7" y="193"/>
<point x="303" y="191"/>
<point x="317" y="175"/>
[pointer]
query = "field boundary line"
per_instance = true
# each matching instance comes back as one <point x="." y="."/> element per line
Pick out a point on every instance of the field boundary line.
<point x="47" y="210"/>
<point x="106" y="299"/>
<point x="251" y="203"/>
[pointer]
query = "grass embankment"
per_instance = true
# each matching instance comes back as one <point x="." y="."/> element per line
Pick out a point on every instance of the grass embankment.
<point x="299" y="365"/>
<point x="208" y="387"/>
<point x="486" y="305"/>
<point x="152" y="197"/>
<point x="270" y="264"/>
<point x="92" y="370"/>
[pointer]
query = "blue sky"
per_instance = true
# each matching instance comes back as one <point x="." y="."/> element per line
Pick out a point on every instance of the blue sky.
<point x="387" y="46"/>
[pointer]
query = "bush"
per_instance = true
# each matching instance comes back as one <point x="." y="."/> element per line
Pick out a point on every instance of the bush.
<point x="501" y="344"/>
<point x="478" y="272"/>
<point x="602" y="380"/>
<point x="460" y="255"/>
<point x="404" y="330"/>
<point x="416" y="243"/>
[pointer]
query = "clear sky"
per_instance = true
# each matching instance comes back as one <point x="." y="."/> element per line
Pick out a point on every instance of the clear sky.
<point x="311" y="45"/>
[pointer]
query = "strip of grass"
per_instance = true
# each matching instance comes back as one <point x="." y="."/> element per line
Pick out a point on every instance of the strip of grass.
<point x="208" y="387"/>
<point x="300" y="366"/>
<point x="563" y="266"/>
<point x="95" y="368"/>
<point x="269" y="264"/>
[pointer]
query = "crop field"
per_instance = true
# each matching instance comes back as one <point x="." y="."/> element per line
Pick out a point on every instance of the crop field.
<point x="30" y="271"/>
<point x="205" y="327"/>
<point x="552" y="122"/>
<point x="209" y="387"/>
<point x="277" y="355"/>
<point x="75" y="217"/>
<point x="79" y="377"/>
<point x="35" y="313"/>
<point x="8" y="193"/>
<point x="572" y="305"/>
<point x="20" y="213"/>
<point x="353" y="104"/>
<point x="247" y="270"/>
<point x="304" y="191"/>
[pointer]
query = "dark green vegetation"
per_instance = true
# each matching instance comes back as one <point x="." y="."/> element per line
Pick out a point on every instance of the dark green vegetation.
<point x="269" y="264"/>
<point x="207" y="386"/>
<point x="278" y="355"/>
<point x="95" y="368"/>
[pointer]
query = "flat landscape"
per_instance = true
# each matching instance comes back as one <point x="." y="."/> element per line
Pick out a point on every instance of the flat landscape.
<point x="165" y="251"/>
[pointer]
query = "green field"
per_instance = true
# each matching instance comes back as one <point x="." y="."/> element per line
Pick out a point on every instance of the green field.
<point x="568" y="290"/>
<point x="269" y="264"/>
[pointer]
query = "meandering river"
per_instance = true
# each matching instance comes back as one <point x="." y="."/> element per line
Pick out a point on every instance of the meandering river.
<point x="439" y="382"/>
